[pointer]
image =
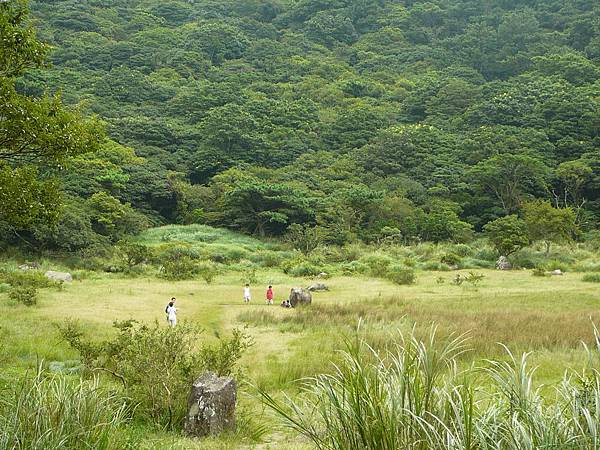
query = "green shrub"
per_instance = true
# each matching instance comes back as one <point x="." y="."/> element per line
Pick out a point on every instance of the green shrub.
<point x="52" y="412"/>
<point x="591" y="278"/>
<point x="400" y="274"/>
<point x="133" y="254"/>
<point x="451" y="259"/>
<point x="473" y="263"/>
<point x="27" y="278"/>
<point x="586" y="266"/>
<point x="539" y="272"/>
<point x="378" y="264"/>
<point x="305" y="269"/>
<point x="156" y="364"/>
<point x="462" y="250"/>
<point x="26" y="295"/>
<point x="4" y="287"/>
<point x="207" y="270"/>
<point x="410" y="262"/>
<point x="486" y="254"/>
<point x="474" y="278"/>
<point x="268" y="258"/>
<point x="249" y="274"/>
<point x="434" y="266"/>
<point x="183" y="268"/>
<point x="555" y="264"/>
<point x="353" y="268"/>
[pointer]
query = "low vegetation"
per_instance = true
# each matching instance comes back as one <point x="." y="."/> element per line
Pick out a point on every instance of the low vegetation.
<point x="416" y="394"/>
<point x="156" y="365"/>
<point x="55" y="411"/>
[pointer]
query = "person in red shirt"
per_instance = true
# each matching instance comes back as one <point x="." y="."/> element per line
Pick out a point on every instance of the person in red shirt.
<point x="270" y="295"/>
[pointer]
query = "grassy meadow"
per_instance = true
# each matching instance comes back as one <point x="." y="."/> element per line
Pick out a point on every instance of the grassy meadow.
<point x="550" y="316"/>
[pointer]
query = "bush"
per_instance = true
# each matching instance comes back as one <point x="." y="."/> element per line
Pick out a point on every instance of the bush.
<point x="400" y="274"/>
<point x="591" y="278"/>
<point x="539" y="272"/>
<point x="23" y="294"/>
<point x="133" y="254"/>
<point x="451" y="259"/>
<point x="353" y="268"/>
<point x="183" y="268"/>
<point x="27" y="278"/>
<point x="486" y="254"/>
<point x="268" y="258"/>
<point x="378" y="264"/>
<point x="434" y="266"/>
<point x="462" y="250"/>
<point x="52" y="412"/>
<point x="472" y="263"/>
<point x="157" y="364"/>
<point x="474" y="278"/>
<point x="249" y="274"/>
<point x="4" y="287"/>
<point x="305" y="269"/>
<point x="208" y="271"/>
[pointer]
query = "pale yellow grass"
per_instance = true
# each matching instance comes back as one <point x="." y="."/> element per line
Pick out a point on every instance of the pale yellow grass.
<point x="550" y="315"/>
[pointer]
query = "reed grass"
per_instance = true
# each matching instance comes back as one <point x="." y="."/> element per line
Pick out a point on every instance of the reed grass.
<point x="55" y="412"/>
<point x="414" y="396"/>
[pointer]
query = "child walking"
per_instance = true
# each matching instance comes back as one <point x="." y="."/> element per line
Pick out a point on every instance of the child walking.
<point x="247" y="296"/>
<point x="270" y="295"/>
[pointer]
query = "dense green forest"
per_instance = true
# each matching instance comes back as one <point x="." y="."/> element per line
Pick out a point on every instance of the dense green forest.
<point x="348" y="119"/>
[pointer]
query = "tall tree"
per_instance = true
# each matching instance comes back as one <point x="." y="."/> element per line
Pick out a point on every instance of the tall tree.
<point x="37" y="135"/>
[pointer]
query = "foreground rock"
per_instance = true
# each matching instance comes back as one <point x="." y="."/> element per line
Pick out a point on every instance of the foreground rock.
<point x="557" y="272"/>
<point x="59" y="276"/>
<point x="503" y="263"/>
<point x="211" y="406"/>
<point x="318" y="287"/>
<point x="299" y="296"/>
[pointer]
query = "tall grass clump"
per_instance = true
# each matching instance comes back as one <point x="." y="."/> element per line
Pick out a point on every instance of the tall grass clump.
<point x="591" y="277"/>
<point x="54" y="412"/>
<point x="413" y="395"/>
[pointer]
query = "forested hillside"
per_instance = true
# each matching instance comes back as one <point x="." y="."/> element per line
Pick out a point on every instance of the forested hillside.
<point x="371" y="119"/>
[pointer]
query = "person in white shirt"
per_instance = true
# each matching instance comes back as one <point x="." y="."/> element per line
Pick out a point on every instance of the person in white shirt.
<point x="172" y="313"/>
<point x="247" y="296"/>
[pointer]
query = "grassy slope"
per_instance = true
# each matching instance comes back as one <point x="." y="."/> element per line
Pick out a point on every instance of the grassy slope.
<point x="548" y="315"/>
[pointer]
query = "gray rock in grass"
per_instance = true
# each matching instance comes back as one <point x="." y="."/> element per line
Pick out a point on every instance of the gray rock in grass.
<point x="503" y="263"/>
<point x="211" y="406"/>
<point x="318" y="287"/>
<point x="59" y="276"/>
<point x="300" y="296"/>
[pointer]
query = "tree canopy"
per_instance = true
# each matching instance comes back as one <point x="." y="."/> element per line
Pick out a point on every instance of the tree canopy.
<point x="431" y="119"/>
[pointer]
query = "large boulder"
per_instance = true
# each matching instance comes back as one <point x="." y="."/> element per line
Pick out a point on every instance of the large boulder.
<point x="503" y="263"/>
<point x="211" y="406"/>
<point x="300" y="296"/>
<point x="318" y="287"/>
<point x="59" y="276"/>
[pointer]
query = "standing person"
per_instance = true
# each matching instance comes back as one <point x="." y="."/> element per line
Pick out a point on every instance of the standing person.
<point x="270" y="295"/>
<point x="171" y="303"/>
<point x="171" y="313"/>
<point x="247" y="296"/>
